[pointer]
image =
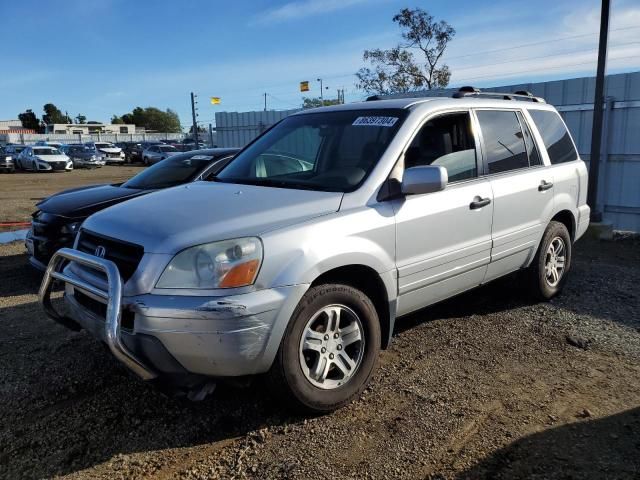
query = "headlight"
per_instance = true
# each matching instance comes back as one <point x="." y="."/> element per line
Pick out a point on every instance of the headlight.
<point x="70" y="228"/>
<point x="226" y="264"/>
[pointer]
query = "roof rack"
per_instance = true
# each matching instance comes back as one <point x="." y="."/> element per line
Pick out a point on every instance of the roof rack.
<point x="523" y="95"/>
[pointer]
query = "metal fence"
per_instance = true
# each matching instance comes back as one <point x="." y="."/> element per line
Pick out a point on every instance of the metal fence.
<point x="29" y="138"/>
<point x="236" y="129"/>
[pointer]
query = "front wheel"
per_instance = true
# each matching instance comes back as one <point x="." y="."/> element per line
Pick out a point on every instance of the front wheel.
<point x="329" y="350"/>
<point x="549" y="269"/>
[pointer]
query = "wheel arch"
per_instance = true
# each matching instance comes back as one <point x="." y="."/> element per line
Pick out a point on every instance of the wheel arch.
<point x="567" y="218"/>
<point x="369" y="281"/>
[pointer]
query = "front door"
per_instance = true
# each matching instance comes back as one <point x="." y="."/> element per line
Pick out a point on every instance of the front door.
<point x="443" y="239"/>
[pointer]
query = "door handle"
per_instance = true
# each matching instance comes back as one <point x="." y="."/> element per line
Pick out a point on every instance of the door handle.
<point x="544" y="185"/>
<point x="481" y="202"/>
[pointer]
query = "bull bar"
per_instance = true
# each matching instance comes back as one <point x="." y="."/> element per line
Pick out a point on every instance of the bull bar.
<point x="112" y="298"/>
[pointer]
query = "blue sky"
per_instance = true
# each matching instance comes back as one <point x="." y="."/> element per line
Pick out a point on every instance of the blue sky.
<point x="104" y="57"/>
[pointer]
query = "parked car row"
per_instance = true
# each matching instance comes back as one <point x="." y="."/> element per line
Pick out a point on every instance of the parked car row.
<point x="298" y="256"/>
<point x="135" y="151"/>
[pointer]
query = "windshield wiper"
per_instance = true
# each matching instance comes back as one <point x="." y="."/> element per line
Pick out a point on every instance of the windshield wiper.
<point x="270" y="182"/>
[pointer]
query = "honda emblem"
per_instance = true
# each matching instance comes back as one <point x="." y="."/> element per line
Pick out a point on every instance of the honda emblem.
<point x="100" y="251"/>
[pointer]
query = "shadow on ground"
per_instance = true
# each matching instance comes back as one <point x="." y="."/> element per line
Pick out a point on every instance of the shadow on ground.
<point x="590" y="449"/>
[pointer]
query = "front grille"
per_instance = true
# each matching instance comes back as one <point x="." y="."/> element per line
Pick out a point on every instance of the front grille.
<point x="58" y="165"/>
<point x="113" y="155"/>
<point x="125" y="255"/>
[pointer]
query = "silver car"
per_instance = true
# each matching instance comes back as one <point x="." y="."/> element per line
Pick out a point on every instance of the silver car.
<point x="155" y="153"/>
<point x="299" y="256"/>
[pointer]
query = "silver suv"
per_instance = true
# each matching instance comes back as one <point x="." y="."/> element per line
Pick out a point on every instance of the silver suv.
<point x="299" y="256"/>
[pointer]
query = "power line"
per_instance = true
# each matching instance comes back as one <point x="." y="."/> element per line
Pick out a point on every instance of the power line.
<point x="546" y="68"/>
<point x="559" y="39"/>
<point x="541" y="56"/>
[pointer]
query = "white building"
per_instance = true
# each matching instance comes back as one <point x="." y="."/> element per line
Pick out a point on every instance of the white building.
<point x="88" y="128"/>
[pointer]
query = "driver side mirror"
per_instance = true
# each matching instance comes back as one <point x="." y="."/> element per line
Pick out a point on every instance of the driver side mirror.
<point x="424" y="179"/>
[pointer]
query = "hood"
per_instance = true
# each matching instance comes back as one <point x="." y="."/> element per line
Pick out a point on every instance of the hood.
<point x="52" y="158"/>
<point x="170" y="220"/>
<point x="80" y="203"/>
<point x="109" y="149"/>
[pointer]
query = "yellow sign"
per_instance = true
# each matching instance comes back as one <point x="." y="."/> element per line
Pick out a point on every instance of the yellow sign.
<point x="215" y="100"/>
<point x="304" y="86"/>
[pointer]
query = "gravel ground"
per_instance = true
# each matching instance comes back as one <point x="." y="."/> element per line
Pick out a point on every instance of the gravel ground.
<point x="486" y="385"/>
<point x="20" y="191"/>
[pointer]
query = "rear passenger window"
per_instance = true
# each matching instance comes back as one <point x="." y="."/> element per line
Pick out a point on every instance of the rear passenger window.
<point x="446" y="141"/>
<point x="555" y="136"/>
<point x="503" y="141"/>
<point x="532" y="150"/>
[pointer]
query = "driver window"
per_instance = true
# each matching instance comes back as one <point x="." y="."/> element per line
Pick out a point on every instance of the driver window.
<point x="446" y="141"/>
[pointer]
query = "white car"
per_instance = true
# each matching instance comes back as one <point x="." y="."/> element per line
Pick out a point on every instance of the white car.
<point x="44" y="158"/>
<point x="107" y="152"/>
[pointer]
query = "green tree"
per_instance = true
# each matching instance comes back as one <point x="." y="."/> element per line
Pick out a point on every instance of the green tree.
<point x="154" y="119"/>
<point x="81" y="119"/>
<point x="308" y="102"/>
<point x="116" y="120"/>
<point x="52" y="114"/>
<point x="30" y="121"/>
<point x="397" y="70"/>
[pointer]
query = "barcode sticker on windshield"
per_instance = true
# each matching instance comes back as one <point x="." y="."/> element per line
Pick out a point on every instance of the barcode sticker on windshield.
<point x="376" y="121"/>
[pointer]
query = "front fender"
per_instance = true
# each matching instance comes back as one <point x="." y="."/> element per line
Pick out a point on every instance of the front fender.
<point x="300" y="254"/>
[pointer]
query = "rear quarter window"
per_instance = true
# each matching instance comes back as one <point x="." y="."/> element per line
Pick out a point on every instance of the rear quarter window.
<point x="555" y="136"/>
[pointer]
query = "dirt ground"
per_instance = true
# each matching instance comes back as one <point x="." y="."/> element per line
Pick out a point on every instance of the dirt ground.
<point x="485" y="385"/>
<point x="20" y="191"/>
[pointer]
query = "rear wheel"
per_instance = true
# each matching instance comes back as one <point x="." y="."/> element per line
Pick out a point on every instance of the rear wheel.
<point x="145" y="160"/>
<point x="549" y="269"/>
<point x="330" y="348"/>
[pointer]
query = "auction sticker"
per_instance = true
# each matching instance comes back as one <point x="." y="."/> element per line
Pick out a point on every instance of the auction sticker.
<point x="376" y="121"/>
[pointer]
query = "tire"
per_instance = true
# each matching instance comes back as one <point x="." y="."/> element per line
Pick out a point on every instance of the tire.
<point x="544" y="285"/>
<point x="288" y="376"/>
<point x="145" y="160"/>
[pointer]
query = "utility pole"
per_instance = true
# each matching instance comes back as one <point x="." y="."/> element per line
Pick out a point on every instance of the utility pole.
<point x="211" y="145"/>
<point x="265" y="101"/>
<point x="195" y="122"/>
<point x="598" y="104"/>
<point x="321" y="97"/>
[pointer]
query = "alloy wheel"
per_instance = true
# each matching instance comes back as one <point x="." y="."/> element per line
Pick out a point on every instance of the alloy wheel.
<point x="554" y="263"/>
<point x="332" y="347"/>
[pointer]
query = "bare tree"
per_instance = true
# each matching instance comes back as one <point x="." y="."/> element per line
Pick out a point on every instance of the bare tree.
<point x="397" y="70"/>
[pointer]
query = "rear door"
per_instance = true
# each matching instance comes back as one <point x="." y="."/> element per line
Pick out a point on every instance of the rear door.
<point x="522" y="188"/>
<point x="443" y="239"/>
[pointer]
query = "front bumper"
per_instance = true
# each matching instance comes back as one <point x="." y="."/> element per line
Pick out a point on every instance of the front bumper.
<point x="85" y="162"/>
<point x="220" y="336"/>
<point x="7" y="165"/>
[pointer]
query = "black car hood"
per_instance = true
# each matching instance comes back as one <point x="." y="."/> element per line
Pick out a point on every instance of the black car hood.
<point x="82" y="202"/>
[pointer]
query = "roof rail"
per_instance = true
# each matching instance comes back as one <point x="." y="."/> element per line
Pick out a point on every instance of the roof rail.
<point x="469" y="91"/>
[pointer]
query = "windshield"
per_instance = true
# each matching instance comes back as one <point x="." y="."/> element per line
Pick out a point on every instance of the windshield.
<point x="172" y="171"/>
<point x="331" y="151"/>
<point x="105" y="145"/>
<point x="46" y="151"/>
<point x="167" y="148"/>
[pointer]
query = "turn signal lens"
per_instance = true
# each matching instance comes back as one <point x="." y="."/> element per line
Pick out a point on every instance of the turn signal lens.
<point x="241" y="275"/>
